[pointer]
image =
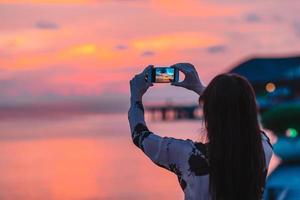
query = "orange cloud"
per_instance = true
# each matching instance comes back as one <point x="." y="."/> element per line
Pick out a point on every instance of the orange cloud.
<point x="28" y="40"/>
<point x="46" y="1"/>
<point x="82" y="54"/>
<point x="194" y="8"/>
<point x="86" y="49"/>
<point x="176" y="41"/>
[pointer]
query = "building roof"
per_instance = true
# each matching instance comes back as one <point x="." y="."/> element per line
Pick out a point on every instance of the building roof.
<point x="262" y="70"/>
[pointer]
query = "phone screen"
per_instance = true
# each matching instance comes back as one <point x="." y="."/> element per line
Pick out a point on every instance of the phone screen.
<point x="164" y="74"/>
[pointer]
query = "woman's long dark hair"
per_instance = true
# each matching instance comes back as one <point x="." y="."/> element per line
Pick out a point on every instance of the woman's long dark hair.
<point x="236" y="155"/>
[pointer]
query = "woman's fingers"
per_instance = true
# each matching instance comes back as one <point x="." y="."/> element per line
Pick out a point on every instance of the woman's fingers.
<point x="139" y="79"/>
<point x="147" y="69"/>
<point x="145" y="74"/>
<point x="177" y="84"/>
<point x="180" y="67"/>
<point x="184" y="67"/>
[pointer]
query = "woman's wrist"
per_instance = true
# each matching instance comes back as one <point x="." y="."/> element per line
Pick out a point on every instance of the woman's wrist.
<point x="138" y="104"/>
<point x="199" y="89"/>
<point x="136" y="113"/>
<point x="134" y="99"/>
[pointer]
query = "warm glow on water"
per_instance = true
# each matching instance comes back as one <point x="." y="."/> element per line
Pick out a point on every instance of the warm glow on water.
<point x="89" y="157"/>
<point x="80" y="168"/>
<point x="79" y="158"/>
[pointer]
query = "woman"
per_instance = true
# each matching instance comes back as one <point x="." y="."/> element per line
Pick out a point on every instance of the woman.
<point x="233" y="164"/>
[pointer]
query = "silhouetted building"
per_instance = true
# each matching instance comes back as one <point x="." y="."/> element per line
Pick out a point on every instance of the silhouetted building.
<point x="275" y="80"/>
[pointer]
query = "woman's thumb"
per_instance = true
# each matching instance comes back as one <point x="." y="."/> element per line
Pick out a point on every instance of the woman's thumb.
<point x="176" y="83"/>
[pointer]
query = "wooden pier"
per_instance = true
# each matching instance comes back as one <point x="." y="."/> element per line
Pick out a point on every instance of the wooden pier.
<point x="172" y="112"/>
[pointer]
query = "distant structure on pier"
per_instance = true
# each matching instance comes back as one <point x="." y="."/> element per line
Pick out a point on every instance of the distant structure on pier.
<point x="171" y="112"/>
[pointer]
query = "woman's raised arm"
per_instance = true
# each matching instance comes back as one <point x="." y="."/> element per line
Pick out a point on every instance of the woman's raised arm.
<point x="166" y="152"/>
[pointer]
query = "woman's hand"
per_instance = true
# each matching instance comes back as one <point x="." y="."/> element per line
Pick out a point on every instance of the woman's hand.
<point x="191" y="80"/>
<point x="139" y="85"/>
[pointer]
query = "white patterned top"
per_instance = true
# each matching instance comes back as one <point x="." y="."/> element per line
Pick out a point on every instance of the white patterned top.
<point x="187" y="159"/>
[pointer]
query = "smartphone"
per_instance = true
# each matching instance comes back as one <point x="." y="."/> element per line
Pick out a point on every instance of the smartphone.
<point x="163" y="75"/>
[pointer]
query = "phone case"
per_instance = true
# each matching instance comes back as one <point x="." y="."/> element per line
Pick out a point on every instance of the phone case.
<point x="150" y="75"/>
<point x="176" y="75"/>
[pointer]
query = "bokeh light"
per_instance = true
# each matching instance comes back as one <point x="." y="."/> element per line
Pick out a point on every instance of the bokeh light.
<point x="291" y="132"/>
<point x="270" y="87"/>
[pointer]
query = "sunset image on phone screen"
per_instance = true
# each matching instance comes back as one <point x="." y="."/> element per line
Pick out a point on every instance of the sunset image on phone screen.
<point x="164" y="75"/>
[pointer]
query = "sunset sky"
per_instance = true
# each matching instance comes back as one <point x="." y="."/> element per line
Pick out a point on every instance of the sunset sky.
<point x="84" y="52"/>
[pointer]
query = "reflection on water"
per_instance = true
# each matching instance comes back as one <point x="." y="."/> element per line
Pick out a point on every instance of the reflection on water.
<point x="88" y="157"/>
